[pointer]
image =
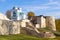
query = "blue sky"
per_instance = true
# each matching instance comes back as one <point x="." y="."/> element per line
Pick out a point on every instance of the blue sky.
<point x="39" y="7"/>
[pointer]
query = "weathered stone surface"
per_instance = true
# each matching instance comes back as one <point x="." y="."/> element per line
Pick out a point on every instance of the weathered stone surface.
<point x="23" y="24"/>
<point x="51" y="23"/>
<point x="4" y="27"/>
<point x="47" y="35"/>
<point x="37" y="26"/>
<point x="3" y="17"/>
<point x="9" y="27"/>
<point x="15" y="28"/>
<point x="31" y="31"/>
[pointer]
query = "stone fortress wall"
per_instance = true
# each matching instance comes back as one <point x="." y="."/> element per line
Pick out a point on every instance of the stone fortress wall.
<point x="13" y="27"/>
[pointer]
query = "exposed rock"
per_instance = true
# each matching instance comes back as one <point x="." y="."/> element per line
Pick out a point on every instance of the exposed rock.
<point x="9" y="27"/>
<point x="47" y="35"/>
<point x="4" y="27"/>
<point x="23" y="22"/>
<point x="51" y="23"/>
<point x="3" y="17"/>
<point x="37" y="26"/>
<point x="31" y="31"/>
<point x="15" y="28"/>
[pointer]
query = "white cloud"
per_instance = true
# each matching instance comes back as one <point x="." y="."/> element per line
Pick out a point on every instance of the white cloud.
<point x="45" y="8"/>
<point x="52" y="2"/>
<point x="53" y="5"/>
<point x="55" y="14"/>
<point x="35" y="8"/>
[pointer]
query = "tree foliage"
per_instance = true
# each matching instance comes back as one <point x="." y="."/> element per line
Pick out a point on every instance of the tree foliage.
<point x="8" y="14"/>
<point x="31" y="14"/>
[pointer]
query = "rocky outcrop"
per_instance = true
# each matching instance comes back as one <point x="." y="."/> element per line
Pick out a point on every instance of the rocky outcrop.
<point x="13" y="27"/>
<point x="3" y="17"/>
<point x="47" y="35"/>
<point x="9" y="27"/>
<point x="51" y="23"/>
<point x="37" y="26"/>
<point x="31" y="30"/>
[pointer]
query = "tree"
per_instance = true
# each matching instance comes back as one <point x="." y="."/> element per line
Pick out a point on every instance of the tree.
<point x="31" y="14"/>
<point x="8" y="14"/>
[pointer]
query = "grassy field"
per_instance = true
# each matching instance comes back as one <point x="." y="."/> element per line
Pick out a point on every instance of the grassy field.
<point x="24" y="37"/>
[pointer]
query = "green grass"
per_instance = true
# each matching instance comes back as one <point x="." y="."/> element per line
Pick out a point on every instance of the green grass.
<point x="24" y="37"/>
